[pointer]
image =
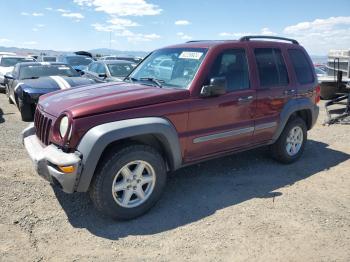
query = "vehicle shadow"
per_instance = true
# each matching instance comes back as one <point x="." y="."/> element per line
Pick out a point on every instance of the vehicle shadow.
<point x="198" y="191"/>
<point x="2" y="120"/>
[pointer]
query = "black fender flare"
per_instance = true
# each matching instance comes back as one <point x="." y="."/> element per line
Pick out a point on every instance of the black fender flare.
<point x="94" y="142"/>
<point x="290" y="108"/>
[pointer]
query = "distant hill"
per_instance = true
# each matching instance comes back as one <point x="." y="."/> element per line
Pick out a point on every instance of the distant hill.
<point x="100" y="51"/>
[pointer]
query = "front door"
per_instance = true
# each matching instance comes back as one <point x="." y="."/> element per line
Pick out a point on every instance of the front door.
<point x="226" y="122"/>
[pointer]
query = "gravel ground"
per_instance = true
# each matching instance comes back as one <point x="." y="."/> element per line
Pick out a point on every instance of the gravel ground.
<point x="237" y="208"/>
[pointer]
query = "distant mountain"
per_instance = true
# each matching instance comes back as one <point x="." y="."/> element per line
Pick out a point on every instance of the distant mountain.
<point x="99" y="51"/>
<point x="107" y="51"/>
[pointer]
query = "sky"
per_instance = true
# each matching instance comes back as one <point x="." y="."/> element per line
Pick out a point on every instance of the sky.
<point x="145" y="25"/>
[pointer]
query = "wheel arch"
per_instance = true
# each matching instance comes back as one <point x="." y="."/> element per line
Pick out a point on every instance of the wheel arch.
<point x="303" y="108"/>
<point x="100" y="140"/>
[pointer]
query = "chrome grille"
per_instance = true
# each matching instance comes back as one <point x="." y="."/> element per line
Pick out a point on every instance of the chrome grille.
<point x="42" y="127"/>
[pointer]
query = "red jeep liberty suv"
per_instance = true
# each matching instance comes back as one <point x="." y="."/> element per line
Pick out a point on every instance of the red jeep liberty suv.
<point x="181" y="105"/>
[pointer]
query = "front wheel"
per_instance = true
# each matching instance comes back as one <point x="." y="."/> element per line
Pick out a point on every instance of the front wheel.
<point x="129" y="182"/>
<point x="290" y="145"/>
<point x="26" y="110"/>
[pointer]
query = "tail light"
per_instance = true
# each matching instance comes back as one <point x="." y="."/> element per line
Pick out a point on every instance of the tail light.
<point x="318" y="94"/>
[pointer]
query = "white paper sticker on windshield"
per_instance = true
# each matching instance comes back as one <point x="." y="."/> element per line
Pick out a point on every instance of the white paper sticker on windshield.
<point x="191" y="55"/>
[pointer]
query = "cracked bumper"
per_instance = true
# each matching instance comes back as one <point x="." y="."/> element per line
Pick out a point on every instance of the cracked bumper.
<point x="47" y="158"/>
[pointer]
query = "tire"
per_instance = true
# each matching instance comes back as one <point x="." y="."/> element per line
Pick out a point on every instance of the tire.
<point x="26" y="110"/>
<point x="280" y="148"/>
<point x="8" y="95"/>
<point x="107" y="201"/>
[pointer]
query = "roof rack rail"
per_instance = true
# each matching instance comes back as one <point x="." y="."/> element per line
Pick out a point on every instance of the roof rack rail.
<point x="194" y="41"/>
<point x="249" y="37"/>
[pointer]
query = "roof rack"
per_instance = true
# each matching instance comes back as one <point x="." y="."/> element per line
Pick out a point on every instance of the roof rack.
<point x="249" y="37"/>
<point x="194" y="41"/>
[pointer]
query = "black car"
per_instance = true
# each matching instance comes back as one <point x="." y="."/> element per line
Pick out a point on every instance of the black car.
<point x="109" y="71"/>
<point x="28" y="81"/>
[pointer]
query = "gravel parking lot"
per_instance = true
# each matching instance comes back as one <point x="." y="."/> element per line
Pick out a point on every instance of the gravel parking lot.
<point x="241" y="207"/>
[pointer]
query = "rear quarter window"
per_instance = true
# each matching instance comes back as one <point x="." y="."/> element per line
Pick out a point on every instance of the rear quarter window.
<point x="301" y="66"/>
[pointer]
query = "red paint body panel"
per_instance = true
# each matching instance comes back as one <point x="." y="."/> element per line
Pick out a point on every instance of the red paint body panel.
<point x="193" y="116"/>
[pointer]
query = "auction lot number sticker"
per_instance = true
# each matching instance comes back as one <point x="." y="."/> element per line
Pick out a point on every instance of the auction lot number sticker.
<point x="191" y="55"/>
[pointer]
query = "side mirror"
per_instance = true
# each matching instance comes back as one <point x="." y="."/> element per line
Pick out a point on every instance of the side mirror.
<point x="216" y="87"/>
<point x="8" y="76"/>
<point x="102" y="75"/>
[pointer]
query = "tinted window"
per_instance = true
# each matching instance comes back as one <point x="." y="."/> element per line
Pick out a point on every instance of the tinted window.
<point x="120" y="70"/>
<point x="11" y="61"/>
<point x="36" y="71"/>
<point x="93" y="67"/>
<point x="271" y="67"/>
<point x="100" y="69"/>
<point x="78" y="60"/>
<point x="232" y="64"/>
<point x="301" y="66"/>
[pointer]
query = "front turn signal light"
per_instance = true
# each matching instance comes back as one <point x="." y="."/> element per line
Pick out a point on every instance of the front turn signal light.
<point x="67" y="169"/>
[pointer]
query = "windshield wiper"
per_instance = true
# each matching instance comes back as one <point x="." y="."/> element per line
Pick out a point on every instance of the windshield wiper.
<point x="33" y="77"/>
<point x="130" y="78"/>
<point x="153" y="80"/>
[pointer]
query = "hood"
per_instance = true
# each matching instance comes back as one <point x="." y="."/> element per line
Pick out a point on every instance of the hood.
<point x="56" y="82"/>
<point x="5" y="69"/>
<point x="106" y="97"/>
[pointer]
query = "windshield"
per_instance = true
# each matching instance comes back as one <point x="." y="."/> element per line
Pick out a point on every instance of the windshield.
<point x="170" y="67"/>
<point x="36" y="71"/>
<point x="120" y="70"/>
<point x="12" y="61"/>
<point x="49" y="59"/>
<point x="78" y="60"/>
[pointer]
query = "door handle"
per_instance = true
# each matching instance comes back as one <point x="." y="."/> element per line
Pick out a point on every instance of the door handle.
<point x="245" y="99"/>
<point x="289" y="92"/>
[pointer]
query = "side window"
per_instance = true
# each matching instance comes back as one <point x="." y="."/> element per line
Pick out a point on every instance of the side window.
<point x="92" y="67"/>
<point x="271" y="67"/>
<point x="100" y="69"/>
<point x="301" y="66"/>
<point x="233" y="65"/>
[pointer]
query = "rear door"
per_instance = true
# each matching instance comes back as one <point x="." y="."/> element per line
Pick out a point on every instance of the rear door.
<point x="226" y="122"/>
<point x="273" y="92"/>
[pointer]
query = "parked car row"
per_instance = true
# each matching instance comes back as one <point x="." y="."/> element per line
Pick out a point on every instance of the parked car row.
<point x="25" y="79"/>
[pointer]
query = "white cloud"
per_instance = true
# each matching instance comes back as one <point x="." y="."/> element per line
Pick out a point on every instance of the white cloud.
<point x="137" y="37"/>
<point x="263" y="31"/>
<point x="321" y="35"/>
<point x="35" y="29"/>
<point x="122" y="22"/>
<point x="37" y="14"/>
<point x="122" y="7"/>
<point x="76" y="16"/>
<point x="48" y="8"/>
<point x="184" y="36"/>
<point x="32" y="14"/>
<point x="62" y="10"/>
<point x="267" y="31"/>
<point x="182" y="22"/>
<point x="4" y="40"/>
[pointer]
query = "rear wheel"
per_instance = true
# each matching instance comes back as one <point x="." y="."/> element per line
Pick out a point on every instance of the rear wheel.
<point x="290" y="145"/>
<point x="26" y="110"/>
<point x="129" y="182"/>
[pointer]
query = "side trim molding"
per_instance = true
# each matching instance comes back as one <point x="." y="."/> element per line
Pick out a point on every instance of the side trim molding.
<point x="230" y="133"/>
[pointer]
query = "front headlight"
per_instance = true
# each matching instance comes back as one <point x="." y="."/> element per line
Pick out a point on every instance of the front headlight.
<point x="64" y="126"/>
